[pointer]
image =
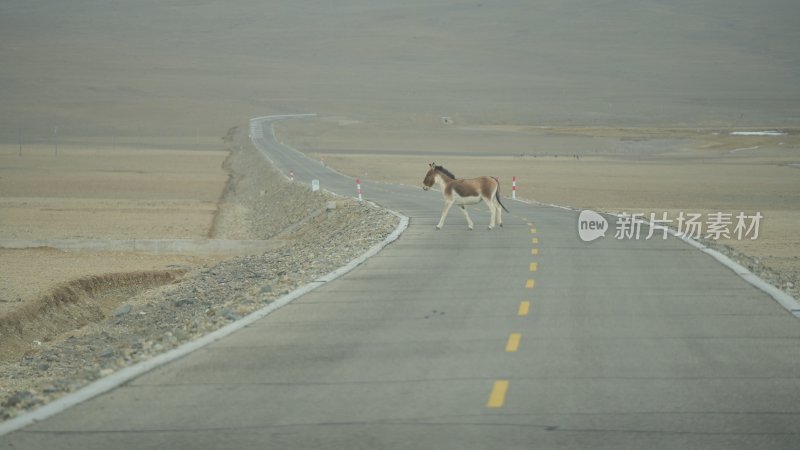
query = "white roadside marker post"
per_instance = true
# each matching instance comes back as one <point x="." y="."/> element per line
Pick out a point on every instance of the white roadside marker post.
<point x="514" y="188"/>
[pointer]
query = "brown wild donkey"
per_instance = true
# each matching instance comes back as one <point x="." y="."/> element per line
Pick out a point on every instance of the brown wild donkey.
<point x="465" y="192"/>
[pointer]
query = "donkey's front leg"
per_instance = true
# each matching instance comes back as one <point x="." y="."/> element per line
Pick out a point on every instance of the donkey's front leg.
<point x="445" y="210"/>
<point x="469" y="220"/>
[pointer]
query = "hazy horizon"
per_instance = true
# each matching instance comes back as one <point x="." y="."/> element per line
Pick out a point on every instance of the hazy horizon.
<point x="199" y="67"/>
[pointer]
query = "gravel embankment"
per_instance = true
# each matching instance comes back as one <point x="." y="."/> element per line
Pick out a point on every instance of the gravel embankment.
<point x="258" y="204"/>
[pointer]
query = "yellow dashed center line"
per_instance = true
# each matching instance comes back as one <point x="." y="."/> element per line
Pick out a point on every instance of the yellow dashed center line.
<point x="498" y="395"/>
<point x="513" y="342"/>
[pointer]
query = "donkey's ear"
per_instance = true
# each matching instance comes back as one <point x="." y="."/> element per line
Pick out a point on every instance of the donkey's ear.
<point x="433" y="165"/>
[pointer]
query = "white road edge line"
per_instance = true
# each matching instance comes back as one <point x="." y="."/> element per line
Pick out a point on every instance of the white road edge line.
<point x="126" y="374"/>
<point x="787" y="301"/>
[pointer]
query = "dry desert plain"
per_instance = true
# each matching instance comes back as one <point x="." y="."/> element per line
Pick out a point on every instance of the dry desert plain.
<point x="101" y="193"/>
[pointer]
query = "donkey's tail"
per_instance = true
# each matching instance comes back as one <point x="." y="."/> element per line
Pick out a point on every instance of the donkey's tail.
<point x="497" y="195"/>
<point x="501" y="203"/>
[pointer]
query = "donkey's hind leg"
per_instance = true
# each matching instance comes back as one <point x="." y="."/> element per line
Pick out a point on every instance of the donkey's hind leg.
<point x="493" y="212"/>
<point x="499" y="213"/>
<point x="466" y="215"/>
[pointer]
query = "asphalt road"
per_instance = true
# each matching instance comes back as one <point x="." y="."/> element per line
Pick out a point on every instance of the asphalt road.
<point x="524" y="337"/>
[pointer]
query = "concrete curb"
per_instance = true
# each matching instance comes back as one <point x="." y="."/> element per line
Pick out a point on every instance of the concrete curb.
<point x="784" y="299"/>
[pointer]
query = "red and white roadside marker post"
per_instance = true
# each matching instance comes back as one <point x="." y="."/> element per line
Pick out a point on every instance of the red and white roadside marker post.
<point x="358" y="190"/>
<point x="514" y="188"/>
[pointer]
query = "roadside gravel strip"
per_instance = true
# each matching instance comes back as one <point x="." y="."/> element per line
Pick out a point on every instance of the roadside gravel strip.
<point x="162" y="324"/>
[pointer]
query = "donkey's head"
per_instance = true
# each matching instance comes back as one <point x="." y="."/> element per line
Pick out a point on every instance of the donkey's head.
<point x="430" y="177"/>
<point x="433" y="171"/>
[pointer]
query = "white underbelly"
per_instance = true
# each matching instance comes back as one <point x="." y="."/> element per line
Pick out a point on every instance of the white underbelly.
<point x="459" y="200"/>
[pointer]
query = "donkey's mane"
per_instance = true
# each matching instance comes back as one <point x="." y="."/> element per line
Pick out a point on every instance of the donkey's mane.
<point x="446" y="172"/>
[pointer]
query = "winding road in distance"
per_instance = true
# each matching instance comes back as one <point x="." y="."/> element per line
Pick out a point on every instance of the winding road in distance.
<point x="519" y="338"/>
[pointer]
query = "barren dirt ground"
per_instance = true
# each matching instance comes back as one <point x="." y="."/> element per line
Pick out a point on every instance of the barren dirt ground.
<point x="101" y="193"/>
